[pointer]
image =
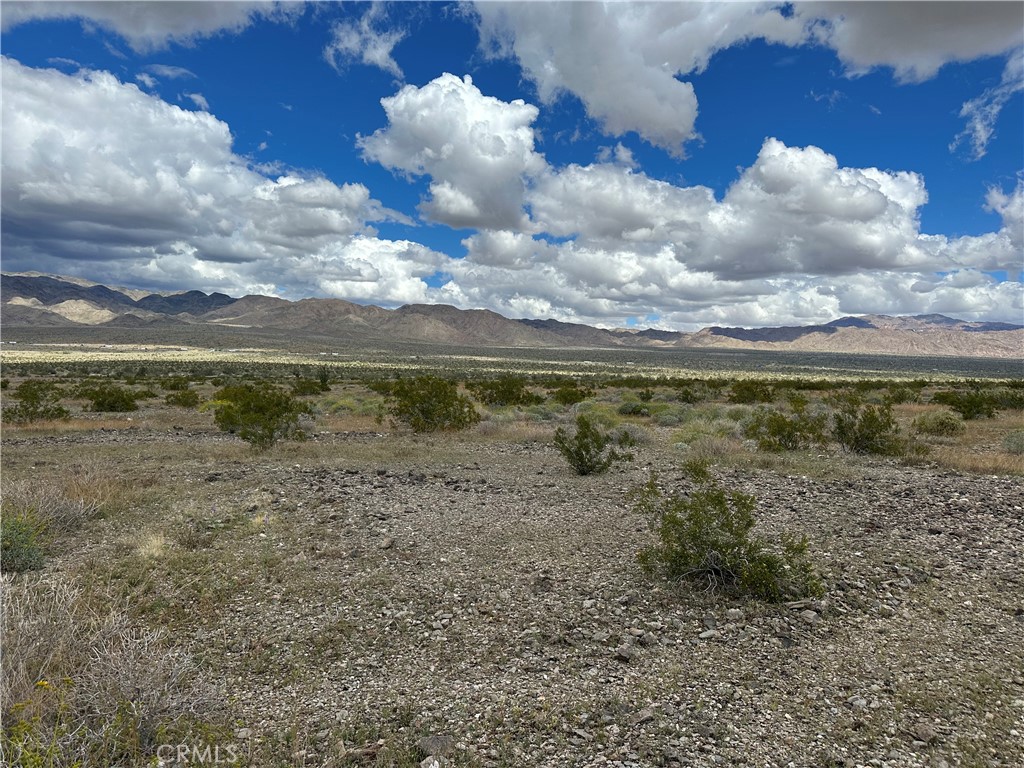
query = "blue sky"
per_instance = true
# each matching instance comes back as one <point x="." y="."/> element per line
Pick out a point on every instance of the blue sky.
<point x="672" y="164"/>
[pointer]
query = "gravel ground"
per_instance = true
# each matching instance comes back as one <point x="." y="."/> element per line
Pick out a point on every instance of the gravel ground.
<point x="472" y="602"/>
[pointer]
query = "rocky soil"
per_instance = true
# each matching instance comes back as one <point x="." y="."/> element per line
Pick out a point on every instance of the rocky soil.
<point x="370" y="599"/>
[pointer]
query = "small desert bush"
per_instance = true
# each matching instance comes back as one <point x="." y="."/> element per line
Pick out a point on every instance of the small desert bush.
<point x="183" y="398"/>
<point x="504" y="391"/>
<point x="748" y="391"/>
<point x="307" y="387"/>
<point x="571" y="394"/>
<point x="175" y="384"/>
<point x="81" y="684"/>
<point x="634" y="408"/>
<point x="37" y="400"/>
<point x="901" y="393"/>
<point x="632" y="434"/>
<point x="864" y="428"/>
<point x="588" y="448"/>
<point x="669" y="417"/>
<point x="109" y="398"/>
<point x="55" y="510"/>
<point x="774" y="430"/>
<point x="698" y="425"/>
<point x="261" y="414"/>
<point x="705" y="537"/>
<point x="971" y="404"/>
<point x="31" y="514"/>
<point x="431" y="404"/>
<point x="941" y="424"/>
<point x="1013" y="442"/>
<point x="20" y="548"/>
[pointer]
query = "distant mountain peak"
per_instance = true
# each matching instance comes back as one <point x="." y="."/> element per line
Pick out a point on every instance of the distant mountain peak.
<point x="50" y="301"/>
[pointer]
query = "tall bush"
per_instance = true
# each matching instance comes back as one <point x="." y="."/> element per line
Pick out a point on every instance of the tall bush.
<point x="861" y="427"/>
<point x="37" y="400"/>
<point x="430" y="404"/>
<point x="261" y="414"/>
<point x="777" y="431"/>
<point x="503" y="391"/>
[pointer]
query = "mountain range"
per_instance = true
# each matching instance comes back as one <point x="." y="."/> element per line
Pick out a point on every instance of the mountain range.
<point x="34" y="300"/>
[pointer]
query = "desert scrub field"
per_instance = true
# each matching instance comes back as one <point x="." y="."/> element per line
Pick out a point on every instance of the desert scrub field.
<point x="376" y="595"/>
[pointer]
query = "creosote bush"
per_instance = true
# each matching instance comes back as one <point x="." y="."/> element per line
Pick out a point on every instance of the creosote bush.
<point x="183" y="398"/>
<point x="942" y="424"/>
<point x="863" y="428"/>
<point x="747" y="391"/>
<point x="704" y="537"/>
<point x="570" y="394"/>
<point x="261" y="414"/>
<point x="972" y="404"/>
<point x="307" y="387"/>
<point x="777" y="431"/>
<point x="429" y="404"/>
<point x="504" y="391"/>
<point x="589" y="449"/>
<point x="110" y="398"/>
<point x="38" y="400"/>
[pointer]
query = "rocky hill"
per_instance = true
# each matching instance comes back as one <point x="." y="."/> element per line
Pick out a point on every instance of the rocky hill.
<point x="50" y="301"/>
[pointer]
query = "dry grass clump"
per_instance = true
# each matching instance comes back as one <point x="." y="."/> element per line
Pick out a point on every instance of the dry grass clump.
<point x="49" y="507"/>
<point x="81" y="684"/>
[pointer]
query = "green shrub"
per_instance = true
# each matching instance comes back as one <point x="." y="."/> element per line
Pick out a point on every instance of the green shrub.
<point x="942" y="424"/>
<point x="307" y="387"/>
<point x="261" y="414"/>
<point x="704" y="537"/>
<point x="570" y="394"/>
<point x="1009" y="397"/>
<point x="5" y="383"/>
<point x="776" y="431"/>
<point x="1013" y="443"/>
<point x="431" y="404"/>
<point x="670" y="417"/>
<point x="746" y="391"/>
<point x="901" y="393"/>
<point x="588" y="449"/>
<point x="184" y="398"/>
<point x="633" y="408"/>
<point x="323" y="375"/>
<point x="37" y="400"/>
<point x="19" y="544"/>
<point x="689" y="395"/>
<point x="862" y="428"/>
<point x="971" y="404"/>
<point x="175" y="384"/>
<point x="504" y="391"/>
<point x="109" y="398"/>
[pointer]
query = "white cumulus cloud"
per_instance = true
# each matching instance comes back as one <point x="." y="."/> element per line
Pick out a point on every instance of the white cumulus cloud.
<point x="622" y="60"/>
<point x="149" y="26"/>
<point x="627" y="62"/>
<point x="477" y="150"/>
<point x="915" y="39"/>
<point x="137" y="189"/>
